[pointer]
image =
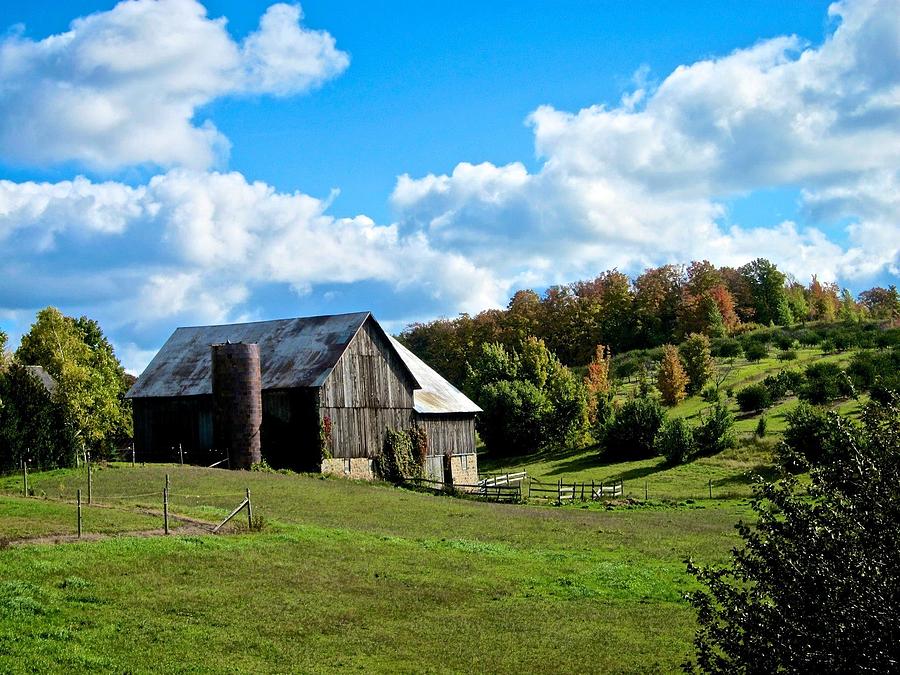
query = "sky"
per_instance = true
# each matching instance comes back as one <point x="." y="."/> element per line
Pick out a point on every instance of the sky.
<point x="167" y="163"/>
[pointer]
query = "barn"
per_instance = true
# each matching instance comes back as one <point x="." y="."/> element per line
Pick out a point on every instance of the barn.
<point x="307" y="394"/>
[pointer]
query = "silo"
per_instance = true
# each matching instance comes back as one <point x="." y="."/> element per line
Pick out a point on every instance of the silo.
<point x="237" y="402"/>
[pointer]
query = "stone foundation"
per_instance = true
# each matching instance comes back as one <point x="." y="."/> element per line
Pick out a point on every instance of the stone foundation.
<point x="355" y="468"/>
<point x="461" y="470"/>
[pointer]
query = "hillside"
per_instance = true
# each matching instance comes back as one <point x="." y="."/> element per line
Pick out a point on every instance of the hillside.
<point x="349" y="575"/>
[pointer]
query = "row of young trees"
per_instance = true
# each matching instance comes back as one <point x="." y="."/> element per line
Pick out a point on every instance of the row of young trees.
<point x="663" y="305"/>
<point x="86" y="410"/>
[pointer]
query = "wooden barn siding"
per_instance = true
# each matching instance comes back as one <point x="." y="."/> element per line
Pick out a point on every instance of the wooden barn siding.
<point x="367" y="393"/>
<point x="449" y="434"/>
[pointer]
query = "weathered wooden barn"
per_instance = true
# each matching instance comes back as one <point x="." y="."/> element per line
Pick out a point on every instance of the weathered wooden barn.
<point x="336" y="383"/>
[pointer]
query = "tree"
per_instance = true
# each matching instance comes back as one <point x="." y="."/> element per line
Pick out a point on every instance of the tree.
<point x="631" y="432"/>
<point x="91" y="383"/>
<point x="656" y="303"/>
<point x="753" y="398"/>
<point x="675" y="441"/>
<point x="530" y="400"/>
<point x="816" y="587"/>
<point x="698" y="361"/>
<point x="671" y="379"/>
<point x="597" y="381"/>
<point x="881" y="303"/>
<point x="754" y="350"/>
<point x="714" y="433"/>
<point x="766" y="286"/>
<point x="825" y="382"/>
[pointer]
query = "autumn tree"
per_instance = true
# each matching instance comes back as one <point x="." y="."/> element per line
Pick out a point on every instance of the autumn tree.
<point x="671" y="380"/>
<point x="881" y="303"/>
<point x="657" y="299"/>
<point x="597" y="382"/>
<point x="696" y="356"/>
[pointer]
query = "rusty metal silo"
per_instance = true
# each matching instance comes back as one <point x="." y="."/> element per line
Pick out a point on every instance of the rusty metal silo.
<point x="237" y="402"/>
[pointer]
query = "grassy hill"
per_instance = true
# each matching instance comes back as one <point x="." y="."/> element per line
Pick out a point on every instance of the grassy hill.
<point x="349" y="576"/>
<point x="730" y="474"/>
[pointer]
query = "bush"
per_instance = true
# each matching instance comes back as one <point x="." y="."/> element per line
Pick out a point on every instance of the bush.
<point x="711" y="395"/>
<point x="815" y="588"/>
<point x="784" y="341"/>
<point x="512" y="421"/>
<point x="753" y="398"/>
<point x="755" y="351"/>
<point x="825" y="382"/>
<point x="631" y="432"/>
<point x="808" y="338"/>
<point x="761" y="427"/>
<point x="727" y="348"/>
<point x="787" y="355"/>
<point x="784" y="383"/>
<point x="804" y="436"/>
<point x="675" y="441"/>
<point x="714" y="434"/>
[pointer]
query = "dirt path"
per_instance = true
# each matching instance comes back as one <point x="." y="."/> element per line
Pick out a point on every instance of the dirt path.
<point x="192" y="529"/>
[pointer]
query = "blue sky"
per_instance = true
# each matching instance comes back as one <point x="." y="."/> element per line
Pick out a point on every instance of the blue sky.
<point x="422" y="159"/>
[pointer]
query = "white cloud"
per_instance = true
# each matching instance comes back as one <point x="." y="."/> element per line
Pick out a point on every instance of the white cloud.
<point x="645" y="182"/>
<point x="193" y="246"/>
<point x="122" y="87"/>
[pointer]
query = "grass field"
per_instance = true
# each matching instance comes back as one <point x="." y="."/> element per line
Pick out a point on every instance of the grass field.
<point x="355" y="576"/>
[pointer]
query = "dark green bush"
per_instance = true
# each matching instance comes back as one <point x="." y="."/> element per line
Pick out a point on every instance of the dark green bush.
<point x="783" y="384"/>
<point x="753" y="398"/>
<point x="804" y="436"/>
<point x="675" y="441"/>
<point x="825" y="382"/>
<point x="727" y="348"/>
<point x="755" y="350"/>
<point x="631" y="431"/>
<point x="808" y="338"/>
<point x="714" y="433"/>
<point x="787" y="355"/>
<point x="761" y="427"/>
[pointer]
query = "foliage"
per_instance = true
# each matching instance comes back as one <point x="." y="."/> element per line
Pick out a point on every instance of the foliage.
<point x="804" y="435"/>
<point x="671" y="380"/>
<point x="753" y="398"/>
<point x="767" y="291"/>
<point x="631" y="431"/>
<point x="675" y="441"/>
<point x="398" y="462"/>
<point x="530" y="400"/>
<point x="325" y="425"/>
<point x="787" y="355"/>
<point x="697" y="359"/>
<point x="876" y="372"/>
<point x="754" y="350"/>
<point x="597" y="382"/>
<point x="825" y="382"/>
<point x="714" y="433"/>
<point x="32" y="425"/>
<point x="729" y="348"/>
<point x="816" y="587"/>
<point x="782" y="384"/>
<point x="91" y="381"/>
<point x="761" y="426"/>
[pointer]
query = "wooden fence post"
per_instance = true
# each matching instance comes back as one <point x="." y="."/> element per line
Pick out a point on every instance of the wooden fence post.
<point x="166" y="510"/>
<point x="645" y="491"/>
<point x="132" y="456"/>
<point x="90" y="481"/>
<point x="24" y="477"/>
<point x="79" y="513"/>
<point x="710" y="488"/>
<point x="167" y="481"/>
<point x="249" y="511"/>
<point x="181" y="454"/>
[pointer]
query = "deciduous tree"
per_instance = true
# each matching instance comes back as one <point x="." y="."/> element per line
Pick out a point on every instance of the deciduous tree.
<point x="671" y="379"/>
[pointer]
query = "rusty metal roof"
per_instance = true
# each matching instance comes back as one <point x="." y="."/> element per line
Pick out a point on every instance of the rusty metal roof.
<point x="292" y="353"/>
<point x="437" y="395"/>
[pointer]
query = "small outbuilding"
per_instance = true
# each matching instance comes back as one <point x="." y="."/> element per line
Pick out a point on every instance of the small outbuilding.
<point x="308" y="394"/>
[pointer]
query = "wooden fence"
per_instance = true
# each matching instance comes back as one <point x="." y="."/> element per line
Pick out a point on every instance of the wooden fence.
<point x="569" y="492"/>
<point x="511" y="493"/>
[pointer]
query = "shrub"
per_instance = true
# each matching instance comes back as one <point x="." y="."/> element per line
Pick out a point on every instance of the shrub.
<point x="675" y="441"/>
<point x="714" y="434"/>
<point x="808" y="338"/>
<point x="804" y="436"/>
<point x="755" y="351"/>
<point x="727" y="348"/>
<point x="784" y="383"/>
<point x="753" y="398"/>
<point x="761" y="427"/>
<point x="787" y="355"/>
<point x="825" y="382"/>
<point x="784" y="341"/>
<point x="827" y="346"/>
<point x="711" y="395"/>
<point x="512" y="421"/>
<point x="631" y="431"/>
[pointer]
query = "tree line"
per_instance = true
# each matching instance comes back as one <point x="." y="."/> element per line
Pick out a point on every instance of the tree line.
<point x="86" y="410"/>
<point x="661" y="306"/>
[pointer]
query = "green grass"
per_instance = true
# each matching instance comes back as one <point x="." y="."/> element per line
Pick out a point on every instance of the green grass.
<point x="358" y="576"/>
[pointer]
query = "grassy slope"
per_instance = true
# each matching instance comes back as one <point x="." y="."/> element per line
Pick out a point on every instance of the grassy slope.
<point x="730" y="473"/>
<point x="350" y="575"/>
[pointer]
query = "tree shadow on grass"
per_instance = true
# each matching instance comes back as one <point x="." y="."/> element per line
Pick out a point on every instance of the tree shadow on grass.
<point x="767" y="472"/>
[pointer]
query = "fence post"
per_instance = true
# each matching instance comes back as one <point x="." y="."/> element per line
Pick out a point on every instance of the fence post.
<point x="645" y="491"/>
<point x="79" y="513"/>
<point x="249" y="511"/>
<point x="132" y="456"/>
<point x="181" y="454"/>
<point x="710" y="488"/>
<point x="90" y="480"/>
<point x="166" y="510"/>
<point x="167" y="481"/>
<point x="24" y="477"/>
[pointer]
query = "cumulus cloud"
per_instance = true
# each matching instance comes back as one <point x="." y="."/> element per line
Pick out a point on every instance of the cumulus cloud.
<point x="193" y="246"/>
<point x="648" y="181"/>
<point x="122" y="87"/>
